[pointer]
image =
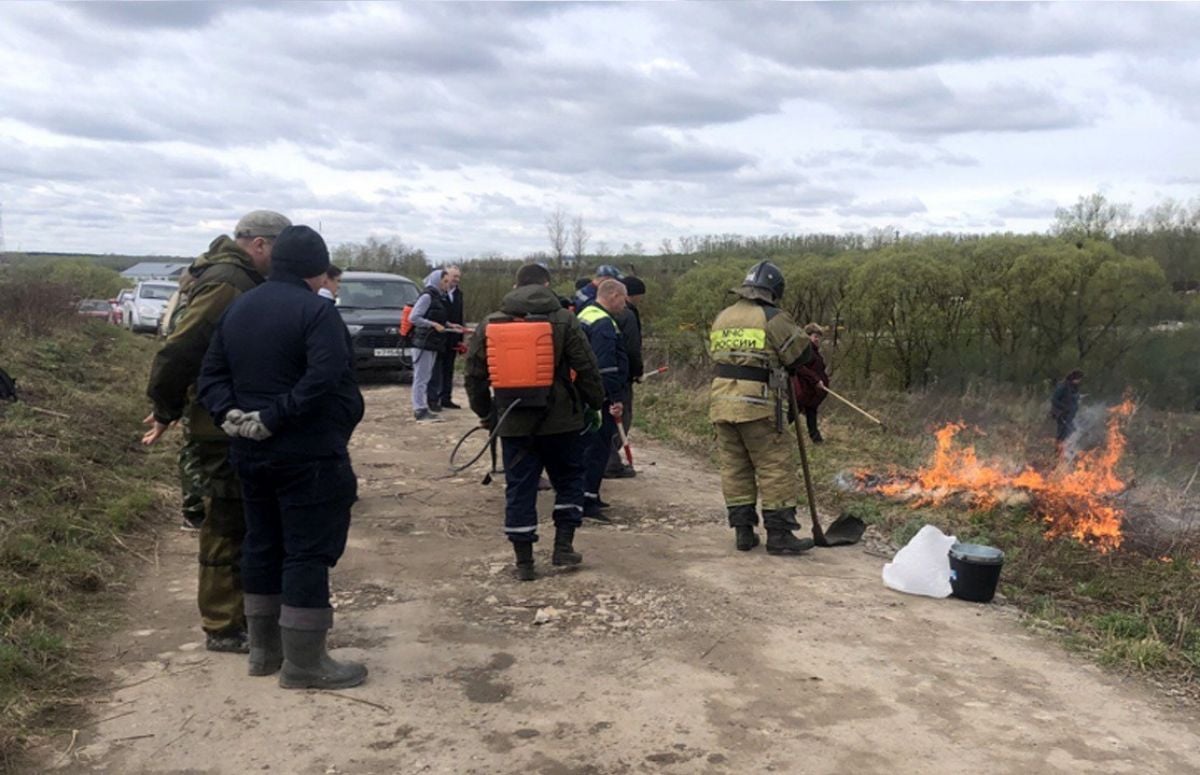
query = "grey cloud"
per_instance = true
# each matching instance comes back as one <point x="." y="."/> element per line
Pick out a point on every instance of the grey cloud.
<point x="922" y="104"/>
<point x="850" y="36"/>
<point x="79" y="163"/>
<point x="1177" y="82"/>
<point x="1023" y="205"/>
<point x="891" y="156"/>
<point x="151" y="14"/>
<point x="900" y="206"/>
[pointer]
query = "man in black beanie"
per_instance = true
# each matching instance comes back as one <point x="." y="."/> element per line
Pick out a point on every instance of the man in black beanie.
<point x="279" y="379"/>
<point x="630" y="323"/>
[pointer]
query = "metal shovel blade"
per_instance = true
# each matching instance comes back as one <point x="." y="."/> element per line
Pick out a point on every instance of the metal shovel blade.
<point x="843" y="531"/>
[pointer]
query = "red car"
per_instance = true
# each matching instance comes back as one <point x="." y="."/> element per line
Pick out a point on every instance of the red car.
<point x="95" y="308"/>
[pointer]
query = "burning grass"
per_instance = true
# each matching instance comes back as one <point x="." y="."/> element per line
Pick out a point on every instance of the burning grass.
<point x="1128" y="607"/>
<point x="1074" y="499"/>
<point x="70" y="488"/>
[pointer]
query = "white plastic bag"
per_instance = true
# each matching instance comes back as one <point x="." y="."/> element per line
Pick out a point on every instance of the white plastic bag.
<point x="922" y="567"/>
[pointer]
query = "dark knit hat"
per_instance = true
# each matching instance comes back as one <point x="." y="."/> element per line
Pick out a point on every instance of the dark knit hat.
<point x="634" y="286"/>
<point x="300" y="251"/>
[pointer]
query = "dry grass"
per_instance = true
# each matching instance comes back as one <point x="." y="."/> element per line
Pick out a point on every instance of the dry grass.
<point x="70" y="488"/>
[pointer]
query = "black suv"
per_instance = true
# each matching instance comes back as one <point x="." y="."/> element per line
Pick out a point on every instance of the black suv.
<point x="371" y="304"/>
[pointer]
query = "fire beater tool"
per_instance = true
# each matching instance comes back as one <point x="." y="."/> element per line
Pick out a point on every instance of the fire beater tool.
<point x="844" y="530"/>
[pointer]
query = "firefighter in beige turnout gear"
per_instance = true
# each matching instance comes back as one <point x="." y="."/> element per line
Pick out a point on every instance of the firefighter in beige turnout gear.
<point x="753" y="345"/>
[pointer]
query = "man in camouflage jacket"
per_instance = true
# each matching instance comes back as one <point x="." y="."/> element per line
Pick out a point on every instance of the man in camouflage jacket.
<point x="229" y="268"/>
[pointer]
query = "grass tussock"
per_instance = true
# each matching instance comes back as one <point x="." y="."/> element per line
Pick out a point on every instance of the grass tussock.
<point x="70" y="488"/>
<point x="1136" y="609"/>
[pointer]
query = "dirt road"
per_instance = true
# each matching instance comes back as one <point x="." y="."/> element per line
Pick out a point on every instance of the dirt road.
<point x="667" y="652"/>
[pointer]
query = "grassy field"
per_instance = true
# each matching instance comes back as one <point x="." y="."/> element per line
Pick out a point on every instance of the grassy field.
<point x="74" y="491"/>
<point x="1136" y="609"/>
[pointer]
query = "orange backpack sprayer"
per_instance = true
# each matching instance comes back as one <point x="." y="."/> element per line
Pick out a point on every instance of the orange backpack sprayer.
<point x="521" y="370"/>
<point x="406" y="325"/>
<point x="520" y="360"/>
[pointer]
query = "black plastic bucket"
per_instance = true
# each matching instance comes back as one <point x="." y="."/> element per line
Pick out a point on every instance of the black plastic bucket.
<point x="975" y="571"/>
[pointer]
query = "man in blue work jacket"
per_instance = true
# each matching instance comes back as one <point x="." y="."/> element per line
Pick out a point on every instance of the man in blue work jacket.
<point x="607" y="343"/>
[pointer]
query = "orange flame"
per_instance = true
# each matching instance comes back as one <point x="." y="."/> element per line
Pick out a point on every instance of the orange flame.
<point x="1072" y="500"/>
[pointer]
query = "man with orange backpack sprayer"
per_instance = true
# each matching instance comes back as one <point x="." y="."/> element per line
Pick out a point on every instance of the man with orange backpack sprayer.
<point x="518" y="374"/>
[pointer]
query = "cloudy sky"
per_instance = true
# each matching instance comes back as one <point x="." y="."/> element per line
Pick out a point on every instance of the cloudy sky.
<point x="149" y="128"/>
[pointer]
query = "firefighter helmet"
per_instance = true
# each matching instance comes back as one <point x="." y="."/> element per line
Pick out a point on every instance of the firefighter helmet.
<point x="766" y="276"/>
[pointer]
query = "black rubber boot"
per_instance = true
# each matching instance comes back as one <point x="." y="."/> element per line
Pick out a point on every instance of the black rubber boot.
<point x="592" y="510"/>
<point x="525" y="571"/>
<point x="307" y="665"/>
<point x="262" y="627"/>
<point x="747" y="539"/>
<point x="783" y="542"/>
<point x="564" y="549"/>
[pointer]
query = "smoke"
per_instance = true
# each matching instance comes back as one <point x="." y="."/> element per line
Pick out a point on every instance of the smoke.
<point x="1091" y="429"/>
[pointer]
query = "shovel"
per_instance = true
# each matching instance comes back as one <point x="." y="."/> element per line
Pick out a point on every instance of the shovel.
<point x="844" y="530"/>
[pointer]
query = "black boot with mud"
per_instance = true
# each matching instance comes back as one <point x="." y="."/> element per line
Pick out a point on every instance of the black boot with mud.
<point x="783" y="542"/>
<point x="564" y="547"/>
<point x="525" y="571"/>
<point x="747" y="539"/>
<point x="307" y="664"/>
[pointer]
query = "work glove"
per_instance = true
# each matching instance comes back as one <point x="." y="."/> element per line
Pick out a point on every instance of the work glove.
<point x="233" y="418"/>
<point x="252" y="427"/>
<point x="592" y="421"/>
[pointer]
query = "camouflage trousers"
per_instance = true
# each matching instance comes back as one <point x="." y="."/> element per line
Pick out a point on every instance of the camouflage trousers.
<point x="220" y="591"/>
<point x="757" y="461"/>
<point x="189" y="484"/>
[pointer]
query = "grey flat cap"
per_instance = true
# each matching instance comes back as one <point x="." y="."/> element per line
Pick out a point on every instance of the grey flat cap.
<point x="261" y="223"/>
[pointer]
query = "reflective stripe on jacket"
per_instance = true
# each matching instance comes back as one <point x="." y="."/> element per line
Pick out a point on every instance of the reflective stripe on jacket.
<point x="604" y="335"/>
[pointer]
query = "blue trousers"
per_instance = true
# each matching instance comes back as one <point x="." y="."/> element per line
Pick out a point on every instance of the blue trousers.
<point x="599" y="447"/>
<point x="297" y="519"/>
<point x="524" y="459"/>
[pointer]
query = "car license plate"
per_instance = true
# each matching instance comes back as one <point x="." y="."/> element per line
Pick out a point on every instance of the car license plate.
<point x="388" y="352"/>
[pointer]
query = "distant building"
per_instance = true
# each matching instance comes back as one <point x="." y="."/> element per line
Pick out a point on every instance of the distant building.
<point x="154" y="270"/>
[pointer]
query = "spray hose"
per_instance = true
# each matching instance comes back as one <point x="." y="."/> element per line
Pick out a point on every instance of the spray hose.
<point x="491" y="439"/>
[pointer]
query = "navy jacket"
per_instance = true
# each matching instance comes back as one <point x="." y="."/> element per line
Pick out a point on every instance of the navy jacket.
<point x="1064" y="403"/>
<point x="284" y="351"/>
<point x="584" y="297"/>
<point x="455" y="306"/>
<point x="609" y="347"/>
<point x="630" y="323"/>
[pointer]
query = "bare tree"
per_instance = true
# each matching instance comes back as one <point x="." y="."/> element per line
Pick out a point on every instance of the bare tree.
<point x="602" y="248"/>
<point x="1091" y="217"/>
<point x="579" y="238"/>
<point x="556" y="230"/>
<point x="665" y="248"/>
